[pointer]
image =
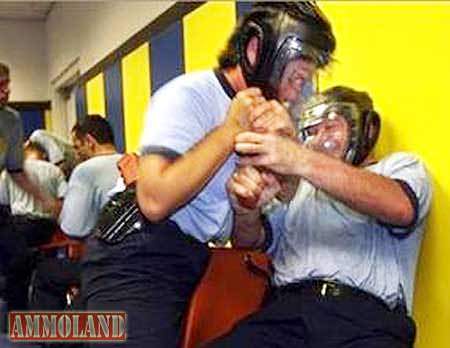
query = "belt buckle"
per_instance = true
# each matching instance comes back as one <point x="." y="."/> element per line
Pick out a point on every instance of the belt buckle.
<point x="330" y="289"/>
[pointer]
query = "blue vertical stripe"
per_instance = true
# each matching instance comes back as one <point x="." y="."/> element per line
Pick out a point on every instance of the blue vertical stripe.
<point x="114" y="103"/>
<point x="166" y="55"/>
<point x="80" y="96"/>
<point x="242" y="8"/>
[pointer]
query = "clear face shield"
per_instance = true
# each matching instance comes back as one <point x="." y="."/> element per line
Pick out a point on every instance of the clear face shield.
<point x="330" y="127"/>
<point x="294" y="68"/>
<point x="295" y="107"/>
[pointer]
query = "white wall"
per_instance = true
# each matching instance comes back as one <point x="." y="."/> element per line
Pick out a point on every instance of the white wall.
<point x="23" y="48"/>
<point x="80" y="34"/>
<point x="91" y="30"/>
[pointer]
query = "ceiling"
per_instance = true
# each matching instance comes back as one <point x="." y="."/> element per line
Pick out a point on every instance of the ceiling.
<point x="25" y="10"/>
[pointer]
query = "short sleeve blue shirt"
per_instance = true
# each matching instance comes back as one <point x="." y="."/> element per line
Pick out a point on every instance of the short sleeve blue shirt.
<point x="180" y="115"/>
<point x="317" y="236"/>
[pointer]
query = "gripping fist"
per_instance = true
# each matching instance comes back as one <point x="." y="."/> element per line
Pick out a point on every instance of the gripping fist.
<point x="249" y="189"/>
<point x="272" y="117"/>
<point x="239" y="112"/>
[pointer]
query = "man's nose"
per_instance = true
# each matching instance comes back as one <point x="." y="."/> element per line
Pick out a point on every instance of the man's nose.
<point x="297" y="82"/>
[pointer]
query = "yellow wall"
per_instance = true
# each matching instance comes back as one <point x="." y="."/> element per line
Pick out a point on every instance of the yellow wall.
<point x="136" y="93"/>
<point x="205" y="33"/>
<point x="95" y="93"/>
<point x="48" y="120"/>
<point x="400" y="53"/>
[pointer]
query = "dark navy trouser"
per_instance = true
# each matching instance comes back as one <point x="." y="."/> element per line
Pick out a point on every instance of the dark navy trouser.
<point x="151" y="275"/>
<point x="293" y="319"/>
<point x="15" y="265"/>
<point x="52" y="279"/>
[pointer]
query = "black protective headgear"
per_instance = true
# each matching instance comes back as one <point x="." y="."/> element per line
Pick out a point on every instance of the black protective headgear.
<point x="356" y="108"/>
<point x="285" y="31"/>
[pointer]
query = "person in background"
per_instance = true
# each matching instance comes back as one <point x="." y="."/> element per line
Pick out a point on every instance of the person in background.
<point x="87" y="192"/>
<point x="345" y="249"/>
<point x="30" y="224"/>
<point x="186" y="158"/>
<point x="13" y="251"/>
<point x="29" y="217"/>
<point x="92" y="179"/>
<point x="60" y="152"/>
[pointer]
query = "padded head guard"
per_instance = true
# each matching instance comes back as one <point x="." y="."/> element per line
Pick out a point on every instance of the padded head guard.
<point x="286" y="31"/>
<point x="357" y="109"/>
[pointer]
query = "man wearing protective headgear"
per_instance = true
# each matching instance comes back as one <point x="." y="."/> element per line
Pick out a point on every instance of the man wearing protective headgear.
<point x="345" y="248"/>
<point x="160" y="252"/>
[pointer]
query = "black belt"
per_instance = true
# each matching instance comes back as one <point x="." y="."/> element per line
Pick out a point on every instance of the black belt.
<point x="329" y="289"/>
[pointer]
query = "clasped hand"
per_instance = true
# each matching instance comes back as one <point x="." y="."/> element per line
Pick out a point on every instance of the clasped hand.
<point x="250" y="111"/>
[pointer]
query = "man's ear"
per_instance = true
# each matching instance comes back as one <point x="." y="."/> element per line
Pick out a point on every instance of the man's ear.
<point x="252" y="50"/>
<point x="91" y="141"/>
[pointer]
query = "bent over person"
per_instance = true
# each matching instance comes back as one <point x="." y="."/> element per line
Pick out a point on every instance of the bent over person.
<point x="149" y="267"/>
<point x="345" y="248"/>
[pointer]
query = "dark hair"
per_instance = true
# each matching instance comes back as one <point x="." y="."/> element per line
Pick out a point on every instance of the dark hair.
<point x="4" y="70"/>
<point x="371" y="121"/>
<point x="96" y="126"/>
<point x="76" y="131"/>
<point x="304" y="11"/>
<point x="35" y="147"/>
<point x="346" y="94"/>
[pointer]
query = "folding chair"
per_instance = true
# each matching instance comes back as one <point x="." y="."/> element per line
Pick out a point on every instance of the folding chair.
<point x="233" y="286"/>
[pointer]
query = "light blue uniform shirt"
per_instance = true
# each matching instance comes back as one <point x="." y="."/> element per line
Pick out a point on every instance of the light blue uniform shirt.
<point x="181" y="114"/>
<point x="87" y="193"/>
<point x="317" y="236"/>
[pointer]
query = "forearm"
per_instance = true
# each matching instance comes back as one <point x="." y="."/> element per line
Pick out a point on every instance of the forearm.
<point x="22" y="180"/>
<point x="248" y="231"/>
<point x="360" y="189"/>
<point x="176" y="182"/>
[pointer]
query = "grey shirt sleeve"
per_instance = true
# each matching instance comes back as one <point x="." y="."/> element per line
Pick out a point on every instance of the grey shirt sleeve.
<point x="411" y="174"/>
<point x="76" y="218"/>
<point x="60" y="184"/>
<point x="14" y="155"/>
<point x="4" y="197"/>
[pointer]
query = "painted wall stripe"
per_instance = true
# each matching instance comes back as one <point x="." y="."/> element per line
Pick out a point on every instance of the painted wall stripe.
<point x="167" y="56"/>
<point x="205" y="32"/>
<point x="243" y="7"/>
<point x="48" y="120"/>
<point x="114" y="103"/>
<point x="95" y="93"/>
<point x="80" y="102"/>
<point x="136" y="93"/>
